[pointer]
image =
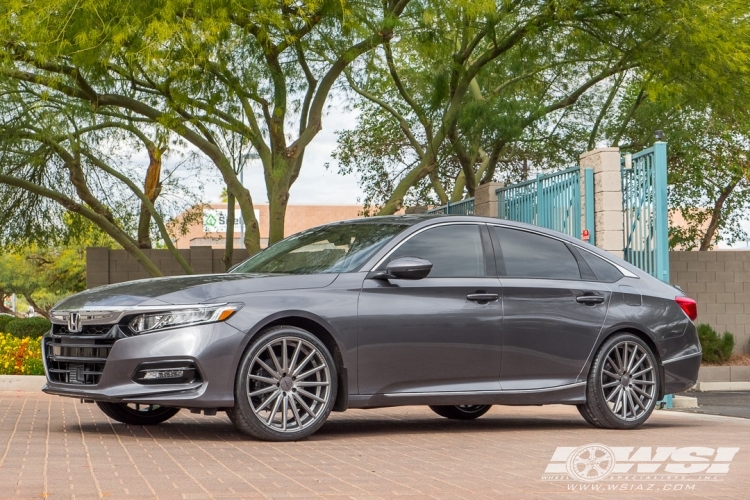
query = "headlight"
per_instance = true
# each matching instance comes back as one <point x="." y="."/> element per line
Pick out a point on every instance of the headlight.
<point x="151" y="322"/>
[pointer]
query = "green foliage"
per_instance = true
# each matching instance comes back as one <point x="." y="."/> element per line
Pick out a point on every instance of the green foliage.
<point x="101" y="72"/>
<point x="4" y="320"/>
<point x="43" y="276"/>
<point x="28" y="327"/>
<point x="573" y="77"/>
<point x="716" y="349"/>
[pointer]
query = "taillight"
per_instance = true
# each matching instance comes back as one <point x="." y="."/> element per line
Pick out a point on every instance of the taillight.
<point x="689" y="306"/>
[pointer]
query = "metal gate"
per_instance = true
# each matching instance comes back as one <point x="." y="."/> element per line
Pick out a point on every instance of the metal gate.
<point x="551" y="200"/>
<point x="463" y="207"/>
<point x="645" y="212"/>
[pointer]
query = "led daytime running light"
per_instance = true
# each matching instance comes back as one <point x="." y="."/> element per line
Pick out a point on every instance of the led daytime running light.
<point x="150" y="322"/>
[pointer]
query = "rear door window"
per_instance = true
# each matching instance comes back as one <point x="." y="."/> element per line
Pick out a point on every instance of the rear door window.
<point x="603" y="270"/>
<point x="523" y="254"/>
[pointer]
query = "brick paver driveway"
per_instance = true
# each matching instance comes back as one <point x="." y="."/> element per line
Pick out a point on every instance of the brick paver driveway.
<point x="59" y="448"/>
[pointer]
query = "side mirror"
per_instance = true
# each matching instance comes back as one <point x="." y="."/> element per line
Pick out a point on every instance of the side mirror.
<point x="406" y="268"/>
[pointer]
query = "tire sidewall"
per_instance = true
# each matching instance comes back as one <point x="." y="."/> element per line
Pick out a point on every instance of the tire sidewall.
<point x="243" y="416"/>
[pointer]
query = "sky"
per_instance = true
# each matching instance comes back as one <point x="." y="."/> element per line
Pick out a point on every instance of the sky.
<point x="315" y="185"/>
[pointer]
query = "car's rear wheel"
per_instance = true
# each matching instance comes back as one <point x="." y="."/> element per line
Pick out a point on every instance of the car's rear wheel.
<point x="286" y="386"/>
<point x="461" y="412"/>
<point x="137" y="414"/>
<point x="623" y="384"/>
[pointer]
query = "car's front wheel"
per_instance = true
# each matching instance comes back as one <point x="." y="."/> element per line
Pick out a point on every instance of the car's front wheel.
<point x="137" y="414"/>
<point x="286" y="386"/>
<point x="623" y="384"/>
<point x="461" y="412"/>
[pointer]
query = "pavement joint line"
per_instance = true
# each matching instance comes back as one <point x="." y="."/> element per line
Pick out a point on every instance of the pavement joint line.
<point x="12" y="434"/>
<point x="264" y="464"/>
<point x="178" y="464"/>
<point x="45" y="491"/>
<point x="88" y="455"/>
<point x="201" y="448"/>
<point x="130" y="457"/>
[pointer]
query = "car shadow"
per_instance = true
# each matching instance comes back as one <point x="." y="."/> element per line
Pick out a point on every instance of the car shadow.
<point x="358" y="424"/>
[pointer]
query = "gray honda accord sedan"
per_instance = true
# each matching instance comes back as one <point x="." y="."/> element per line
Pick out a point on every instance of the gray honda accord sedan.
<point x="458" y="313"/>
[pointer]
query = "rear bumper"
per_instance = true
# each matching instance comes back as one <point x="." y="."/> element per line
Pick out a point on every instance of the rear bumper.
<point x="681" y="373"/>
<point x="214" y="349"/>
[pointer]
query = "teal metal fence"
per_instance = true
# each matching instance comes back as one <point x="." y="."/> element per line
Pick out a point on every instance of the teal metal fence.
<point x="644" y="206"/>
<point x="463" y="207"/>
<point x="551" y="200"/>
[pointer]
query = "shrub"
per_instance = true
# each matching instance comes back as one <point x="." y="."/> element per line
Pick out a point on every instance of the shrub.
<point x="716" y="349"/>
<point x="4" y="320"/>
<point x="20" y="356"/>
<point x="28" y="327"/>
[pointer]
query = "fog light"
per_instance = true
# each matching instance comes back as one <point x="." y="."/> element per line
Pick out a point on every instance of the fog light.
<point x="154" y="374"/>
<point x="167" y="372"/>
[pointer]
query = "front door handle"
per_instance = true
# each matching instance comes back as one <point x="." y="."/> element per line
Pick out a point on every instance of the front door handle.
<point x="483" y="297"/>
<point x="590" y="299"/>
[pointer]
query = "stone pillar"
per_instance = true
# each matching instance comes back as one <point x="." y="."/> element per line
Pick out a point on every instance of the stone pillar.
<point x="607" y="198"/>
<point x="485" y="199"/>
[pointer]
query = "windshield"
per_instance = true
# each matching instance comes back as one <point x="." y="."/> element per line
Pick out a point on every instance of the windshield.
<point x="337" y="248"/>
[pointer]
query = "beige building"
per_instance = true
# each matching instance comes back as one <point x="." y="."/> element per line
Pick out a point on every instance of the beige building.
<point x="211" y="231"/>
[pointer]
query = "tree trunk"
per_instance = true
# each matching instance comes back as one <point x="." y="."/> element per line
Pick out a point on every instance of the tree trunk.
<point x="151" y="188"/>
<point x="37" y="309"/>
<point x="229" y="243"/>
<point x="278" y="197"/>
<point x="713" y="224"/>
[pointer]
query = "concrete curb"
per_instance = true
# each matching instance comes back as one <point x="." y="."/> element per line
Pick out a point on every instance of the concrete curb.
<point x="684" y="402"/>
<point x="722" y="386"/>
<point x="30" y="383"/>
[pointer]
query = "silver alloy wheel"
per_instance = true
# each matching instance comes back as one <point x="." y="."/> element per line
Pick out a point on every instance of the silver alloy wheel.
<point x="628" y="381"/>
<point x="141" y="408"/>
<point x="288" y="384"/>
<point x="471" y="408"/>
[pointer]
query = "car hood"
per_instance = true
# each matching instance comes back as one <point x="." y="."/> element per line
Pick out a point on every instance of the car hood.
<point x="189" y="289"/>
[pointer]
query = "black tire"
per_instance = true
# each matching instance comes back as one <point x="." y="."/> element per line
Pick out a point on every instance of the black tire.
<point x="583" y="410"/>
<point x="296" y="422"/>
<point x="461" y="412"/>
<point x="615" y="414"/>
<point x="140" y="415"/>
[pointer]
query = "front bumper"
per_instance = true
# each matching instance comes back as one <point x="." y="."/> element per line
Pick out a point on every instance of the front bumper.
<point x="215" y="349"/>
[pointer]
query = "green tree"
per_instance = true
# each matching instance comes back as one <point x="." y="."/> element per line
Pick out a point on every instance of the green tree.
<point x="472" y="93"/>
<point x="246" y="67"/>
<point x="56" y="157"/>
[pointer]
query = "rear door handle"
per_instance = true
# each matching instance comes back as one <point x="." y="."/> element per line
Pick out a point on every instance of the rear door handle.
<point x="483" y="297"/>
<point x="590" y="299"/>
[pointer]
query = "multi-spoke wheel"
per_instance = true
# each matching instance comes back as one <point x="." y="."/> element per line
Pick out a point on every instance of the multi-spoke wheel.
<point x="461" y="412"/>
<point x="623" y="385"/>
<point x="137" y="414"/>
<point x="285" y="387"/>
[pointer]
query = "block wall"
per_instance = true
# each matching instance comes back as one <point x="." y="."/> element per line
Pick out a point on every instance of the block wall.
<point x="720" y="282"/>
<point x="105" y="266"/>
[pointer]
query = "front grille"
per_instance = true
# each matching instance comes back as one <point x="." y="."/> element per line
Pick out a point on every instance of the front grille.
<point x="76" y="361"/>
<point x="87" y="330"/>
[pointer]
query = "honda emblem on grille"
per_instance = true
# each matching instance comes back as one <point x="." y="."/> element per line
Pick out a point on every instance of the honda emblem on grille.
<point x="74" y="322"/>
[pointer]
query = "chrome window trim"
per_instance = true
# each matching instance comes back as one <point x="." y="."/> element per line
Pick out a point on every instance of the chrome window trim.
<point x="431" y="226"/>
<point x="625" y="272"/>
